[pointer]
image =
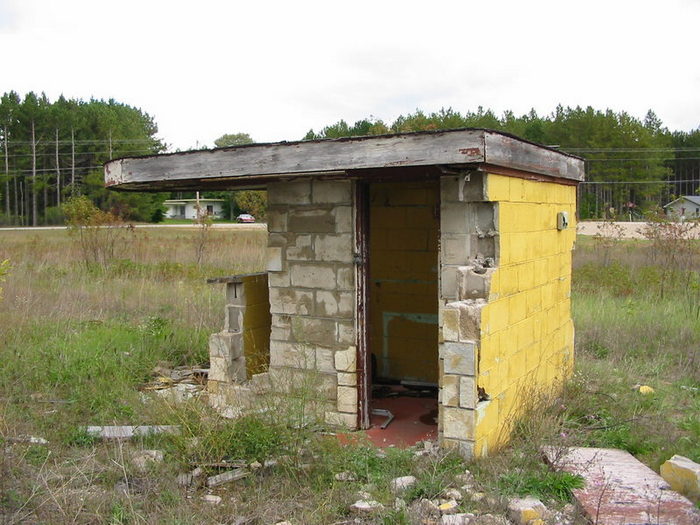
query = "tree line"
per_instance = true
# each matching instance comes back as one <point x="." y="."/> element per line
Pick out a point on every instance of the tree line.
<point x="54" y="150"/>
<point x="617" y="147"/>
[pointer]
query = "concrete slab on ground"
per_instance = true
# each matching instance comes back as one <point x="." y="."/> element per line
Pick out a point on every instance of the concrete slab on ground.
<point x="620" y="490"/>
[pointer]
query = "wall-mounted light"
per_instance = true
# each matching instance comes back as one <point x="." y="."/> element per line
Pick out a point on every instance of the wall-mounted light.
<point x="562" y="220"/>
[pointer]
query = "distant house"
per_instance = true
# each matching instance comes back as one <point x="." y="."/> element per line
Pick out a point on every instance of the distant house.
<point x="687" y="207"/>
<point x="187" y="208"/>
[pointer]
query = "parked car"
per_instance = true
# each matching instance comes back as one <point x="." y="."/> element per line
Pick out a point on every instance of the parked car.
<point x="245" y="217"/>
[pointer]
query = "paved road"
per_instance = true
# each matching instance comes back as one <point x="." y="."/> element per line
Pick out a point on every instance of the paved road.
<point x="628" y="230"/>
<point x="216" y="225"/>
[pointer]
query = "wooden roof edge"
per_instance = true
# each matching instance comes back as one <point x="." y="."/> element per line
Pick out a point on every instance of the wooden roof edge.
<point x="259" y="163"/>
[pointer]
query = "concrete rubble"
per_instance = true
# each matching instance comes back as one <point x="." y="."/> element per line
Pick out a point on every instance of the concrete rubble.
<point x="457" y="519"/>
<point x="523" y="511"/>
<point x="366" y="506"/>
<point x="32" y="440"/>
<point x="128" y="431"/>
<point x="448" y="507"/>
<point x="683" y="475"/>
<point x="212" y="499"/>
<point x="187" y="479"/>
<point x="144" y="458"/>
<point x="452" y="494"/>
<point x="345" y="476"/>
<point x="401" y="484"/>
<point x="226" y="477"/>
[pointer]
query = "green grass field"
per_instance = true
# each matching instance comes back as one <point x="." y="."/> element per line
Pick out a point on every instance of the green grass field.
<point x="77" y="340"/>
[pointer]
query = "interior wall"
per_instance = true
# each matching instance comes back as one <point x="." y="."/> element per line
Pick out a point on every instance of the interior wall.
<point x="403" y="280"/>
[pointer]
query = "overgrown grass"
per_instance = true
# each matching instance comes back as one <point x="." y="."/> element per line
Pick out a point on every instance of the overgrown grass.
<point x="636" y="324"/>
<point x="77" y="340"/>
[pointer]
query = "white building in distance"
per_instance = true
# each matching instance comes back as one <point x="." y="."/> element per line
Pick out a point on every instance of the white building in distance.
<point x="187" y="208"/>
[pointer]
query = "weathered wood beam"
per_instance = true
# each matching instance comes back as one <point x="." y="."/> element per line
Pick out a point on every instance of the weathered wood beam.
<point x="257" y="164"/>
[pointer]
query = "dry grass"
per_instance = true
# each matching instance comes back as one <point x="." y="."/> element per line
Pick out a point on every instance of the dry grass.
<point x="77" y="340"/>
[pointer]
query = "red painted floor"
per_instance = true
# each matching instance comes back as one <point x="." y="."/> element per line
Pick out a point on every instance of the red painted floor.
<point x="415" y="419"/>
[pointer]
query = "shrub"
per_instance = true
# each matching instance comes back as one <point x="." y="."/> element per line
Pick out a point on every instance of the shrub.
<point x="4" y="268"/>
<point x="98" y="232"/>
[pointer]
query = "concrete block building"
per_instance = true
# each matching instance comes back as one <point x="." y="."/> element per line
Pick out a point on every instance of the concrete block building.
<point x="425" y="260"/>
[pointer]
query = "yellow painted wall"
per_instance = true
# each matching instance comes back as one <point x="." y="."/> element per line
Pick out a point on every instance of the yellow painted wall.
<point x="256" y="324"/>
<point x="526" y="328"/>
<point x="403" y="279"/>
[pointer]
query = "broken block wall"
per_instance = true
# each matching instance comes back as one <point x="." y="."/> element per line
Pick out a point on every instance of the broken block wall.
<point x="242" y="348"/>
<point x="506" y="333"/>
<point x="312" y="294"/>
<point x="467" y="230"/>
<point x="527" y="335"/>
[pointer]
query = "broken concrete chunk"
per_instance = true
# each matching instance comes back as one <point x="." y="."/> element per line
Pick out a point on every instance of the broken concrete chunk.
<point x="188" y="478"/>
<point x="457" y="519"/>
<point x="212" y="499"/>
<point x="144" y="458"/>
<point x="32" y="440"/>
<point x="683" y="475"/>
<point x="402" y="484"/>
<point x="474" y="282"/>
<point x="399" y="504"/>
<point x="448" y="507"/>
<point x="184" y="480"/>
<point x="522" y="511"/>
<point x="428" y="507"/>
<point x="452" y="494"/>
<point x="489" y="519"/>
<point x="345" y="476"/>
<point x="128" y="432"/>
<point x="366" y="506"/>
<point x="226" y="477"/>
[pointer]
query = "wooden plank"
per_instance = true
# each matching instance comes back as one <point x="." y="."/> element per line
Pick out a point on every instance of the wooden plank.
<point x="299" y="158"/>
<point x="510" y="152"/>
<point x="256" y="164"/>
<point x="619" y="490"/>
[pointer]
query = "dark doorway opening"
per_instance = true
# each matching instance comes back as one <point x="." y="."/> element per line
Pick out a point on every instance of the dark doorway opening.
<point x="402" y="310"/>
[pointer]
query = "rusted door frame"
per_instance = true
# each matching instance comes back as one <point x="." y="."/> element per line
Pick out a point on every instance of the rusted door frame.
<point x="364" y="371"/>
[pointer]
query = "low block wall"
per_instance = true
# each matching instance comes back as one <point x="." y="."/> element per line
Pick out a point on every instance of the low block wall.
<point x="242" y="348"/>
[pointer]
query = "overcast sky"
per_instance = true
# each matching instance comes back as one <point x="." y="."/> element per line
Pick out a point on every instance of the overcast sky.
<point x="275" y="69"/>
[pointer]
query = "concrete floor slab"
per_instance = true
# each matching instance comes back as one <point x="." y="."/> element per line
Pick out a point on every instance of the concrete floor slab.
<point x="620" y="490"/>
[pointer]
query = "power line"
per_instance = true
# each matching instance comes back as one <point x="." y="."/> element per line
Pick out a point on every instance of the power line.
<point x="85" y="141"/>
<point x="629" y="150"/>
<point x="639" y="181"/>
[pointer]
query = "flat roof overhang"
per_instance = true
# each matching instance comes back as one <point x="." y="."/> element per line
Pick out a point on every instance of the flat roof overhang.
<point x="254" y="165"/>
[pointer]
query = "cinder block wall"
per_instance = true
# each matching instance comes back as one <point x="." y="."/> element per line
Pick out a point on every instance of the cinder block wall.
<point x="506" y="333"/>
<point x="241" y="349"/>
<point x="467" y="234"/>
<point x="526" y="342"/>
<point x="312" y="297"/>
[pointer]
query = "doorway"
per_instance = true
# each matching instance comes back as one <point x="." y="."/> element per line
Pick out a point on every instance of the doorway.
<point x="402" y="309"/>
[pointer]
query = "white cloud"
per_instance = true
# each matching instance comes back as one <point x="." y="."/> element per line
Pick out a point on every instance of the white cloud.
<point x="275" y="69"/>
